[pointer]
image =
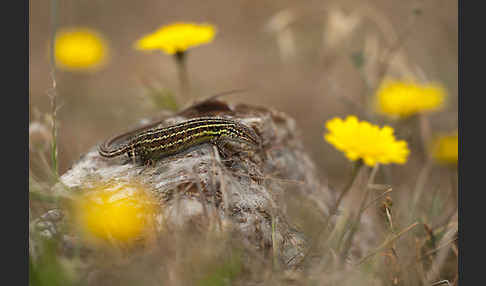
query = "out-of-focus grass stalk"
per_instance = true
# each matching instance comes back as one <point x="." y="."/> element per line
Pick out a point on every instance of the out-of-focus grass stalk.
<point x="346" y="188"/>
<point x="180" y="57"/>
<point x="453" y="176"/>
<point x="425" y="133"/>
<point x="419" y="187"/>
<point x="53" y="92"/>
<point x="357" y="166"/>
<point x="386" y="244"/>
<point x="439" y="258"/>
<point x="354" y="226"/>
<point x="43" y="165"/>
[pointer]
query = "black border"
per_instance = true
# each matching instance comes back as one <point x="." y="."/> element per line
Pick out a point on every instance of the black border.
<point x="15" y="142"/>
<point x="471" y="22"/>
<point x="468" y="89"/>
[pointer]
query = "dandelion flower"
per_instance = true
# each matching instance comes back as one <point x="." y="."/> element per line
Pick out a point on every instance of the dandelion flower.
<point x="444" y="148"/>
<point x="362" y="140"/>
<point x="177" y="37"/>
<point x="80" y="49"/>
<point x="404" y="98"/>
<point x="116" y="213"/>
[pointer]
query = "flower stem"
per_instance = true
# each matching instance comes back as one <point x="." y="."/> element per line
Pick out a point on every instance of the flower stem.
<point x="362" y="208"/>
<point x="180" y="57"/>
<point x="424" y="129"/>
<point x="333" y="211"/>
<point x="419" y="188"/>
<point x="347" y="187"/>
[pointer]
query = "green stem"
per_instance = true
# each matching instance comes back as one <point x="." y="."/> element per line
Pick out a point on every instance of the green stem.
<point x="347" y="187"/>
<point x="333" y="211"/>
<point x="180" y="57"/>
<point x="362" y="208"/>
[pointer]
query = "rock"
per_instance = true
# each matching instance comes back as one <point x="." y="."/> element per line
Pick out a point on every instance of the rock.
<point x="244" y="192"/>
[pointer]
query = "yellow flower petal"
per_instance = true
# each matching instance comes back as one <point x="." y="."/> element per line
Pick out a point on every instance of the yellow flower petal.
<point x="444" y="148"/>
<point x="115" y="213"/>
<point x="363" y="140"/>
<point x="401" y="99"/>
<point x="177" y="37"/>
<point x="78" y="49"/>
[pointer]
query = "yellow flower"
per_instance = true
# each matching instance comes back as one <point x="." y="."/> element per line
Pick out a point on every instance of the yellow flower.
<point x="80" y="49"/>
<point x="405" y="98"/>
<point x="445" y="148"/>
<point x="177" y="37"/>
<point x="362" y="140"/>
<point x="118" y="213"/>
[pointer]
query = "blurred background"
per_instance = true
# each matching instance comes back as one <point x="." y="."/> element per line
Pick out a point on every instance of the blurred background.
<point x="313" y="60"/>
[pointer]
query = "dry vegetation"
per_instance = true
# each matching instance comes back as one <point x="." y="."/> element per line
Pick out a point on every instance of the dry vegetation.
<point x="313" y="60"/>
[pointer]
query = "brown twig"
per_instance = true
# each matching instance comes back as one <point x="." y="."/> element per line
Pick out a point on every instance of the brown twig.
<point x="378" y="198"/>
<point x="387" y="242"/>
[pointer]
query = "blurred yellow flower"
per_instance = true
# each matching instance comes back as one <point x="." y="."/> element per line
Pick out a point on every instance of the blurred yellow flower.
<point x="445" y="148"/>
<point x="404" y="98"/>
<point x="80" y="49"/>
<point x="119" y="213"/>
<point x="177" y="37"/>
<point x="362" y="140"/>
